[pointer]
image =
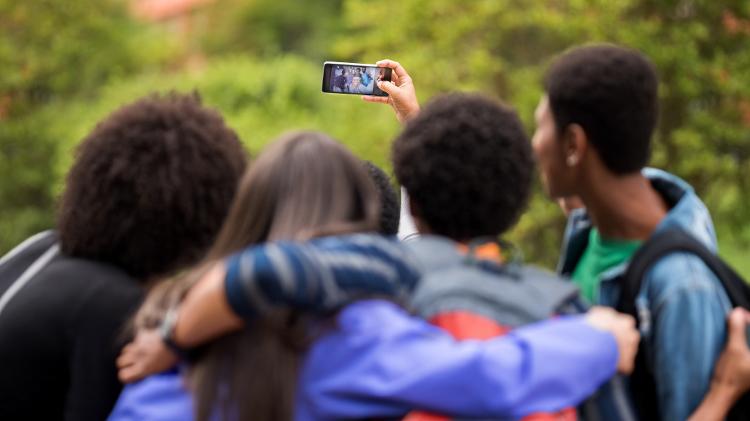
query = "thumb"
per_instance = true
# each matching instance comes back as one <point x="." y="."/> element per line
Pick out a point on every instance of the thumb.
<point x="388" y="87"/>
<point x="737" y="325"/>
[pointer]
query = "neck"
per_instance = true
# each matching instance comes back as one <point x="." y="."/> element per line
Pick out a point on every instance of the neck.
<point x="623" y="207"/>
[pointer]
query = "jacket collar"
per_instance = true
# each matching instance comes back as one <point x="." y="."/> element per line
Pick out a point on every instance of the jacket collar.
<point x="686" y="211"/>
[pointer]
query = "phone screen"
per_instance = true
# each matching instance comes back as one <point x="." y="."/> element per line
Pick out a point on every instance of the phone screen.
<point x="354" y="79"/>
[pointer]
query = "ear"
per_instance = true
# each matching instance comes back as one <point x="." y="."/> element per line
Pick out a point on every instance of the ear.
<point x="575" y="145"/>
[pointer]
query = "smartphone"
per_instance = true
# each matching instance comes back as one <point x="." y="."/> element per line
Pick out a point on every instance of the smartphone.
<point x="354" y="78"/>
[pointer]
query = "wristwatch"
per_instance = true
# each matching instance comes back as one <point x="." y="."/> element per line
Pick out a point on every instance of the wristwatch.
<point x="166" y="331"/>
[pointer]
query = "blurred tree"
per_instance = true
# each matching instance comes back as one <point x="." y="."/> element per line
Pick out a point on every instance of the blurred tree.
<point x="65" y="65"/>
<point x="52" y="51"/>
<point x="269" y="27"/>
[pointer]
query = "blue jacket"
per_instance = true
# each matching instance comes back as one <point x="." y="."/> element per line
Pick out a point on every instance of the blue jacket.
<point x="379" y="361"/>
<point x="682" y="306"/>
<point x="161" y="397"/>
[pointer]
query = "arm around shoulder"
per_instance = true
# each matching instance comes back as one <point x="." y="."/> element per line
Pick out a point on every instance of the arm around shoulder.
<point x="382" y="362"/>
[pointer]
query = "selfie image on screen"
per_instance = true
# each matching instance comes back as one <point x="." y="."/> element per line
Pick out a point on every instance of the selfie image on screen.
<point x="355" y="79"/>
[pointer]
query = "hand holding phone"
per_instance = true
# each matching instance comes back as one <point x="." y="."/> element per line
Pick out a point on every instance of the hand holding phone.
<point x="402" y="96"/>
<point x="354" y="78"/>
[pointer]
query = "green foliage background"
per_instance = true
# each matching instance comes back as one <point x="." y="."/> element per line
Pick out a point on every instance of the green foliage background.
<point x="65" y="65"/>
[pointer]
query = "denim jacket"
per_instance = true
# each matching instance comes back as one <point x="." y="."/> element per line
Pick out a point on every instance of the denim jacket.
<point x="681" y="305"/>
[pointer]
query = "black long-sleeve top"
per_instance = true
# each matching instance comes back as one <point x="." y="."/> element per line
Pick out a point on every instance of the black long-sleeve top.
<point x="60" y="335"/>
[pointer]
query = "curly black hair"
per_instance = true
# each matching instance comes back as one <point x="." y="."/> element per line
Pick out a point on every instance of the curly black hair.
<point x="390" y="207"/>
<point x="150" y="186"/>
<point x="611" y="92"/>
<point x="467" y="165"/>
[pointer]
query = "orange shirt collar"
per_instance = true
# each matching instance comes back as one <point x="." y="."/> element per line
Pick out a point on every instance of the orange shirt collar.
<point x="486" y="251"/>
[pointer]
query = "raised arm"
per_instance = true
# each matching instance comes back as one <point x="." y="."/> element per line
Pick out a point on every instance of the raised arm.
<point x="402" y="97"/>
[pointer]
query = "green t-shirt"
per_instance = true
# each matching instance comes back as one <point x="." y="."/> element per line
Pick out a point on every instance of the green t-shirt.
<point x="600" y="255"/>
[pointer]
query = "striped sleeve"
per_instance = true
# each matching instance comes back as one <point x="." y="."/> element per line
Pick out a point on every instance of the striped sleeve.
<point x="319" y="276"/>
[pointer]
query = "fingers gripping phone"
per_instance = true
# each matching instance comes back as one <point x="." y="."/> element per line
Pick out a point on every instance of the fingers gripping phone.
<point x="354" y="78"/>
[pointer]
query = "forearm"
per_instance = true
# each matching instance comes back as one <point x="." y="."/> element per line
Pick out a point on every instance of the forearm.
<point x="731" y="373"/>
<point x="319" y="276"/>
<point x="715" y="405"/>
<point x="205" y="313"/>
<point x="567" y="356"/>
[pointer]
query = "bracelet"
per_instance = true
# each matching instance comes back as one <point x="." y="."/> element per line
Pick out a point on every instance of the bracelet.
<point x="166" y="331"/>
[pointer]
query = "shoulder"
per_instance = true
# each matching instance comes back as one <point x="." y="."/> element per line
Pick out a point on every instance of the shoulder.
<point x="96" y="278"/>
<point x="512" y="295"/>
<point x="679" y="274"/>
<point x="368" y="325"/>
<point x="85" y="272"/>
<point x="367" y="317"/>
<point x="68" y="286"/>
<point x="90" y="292"/>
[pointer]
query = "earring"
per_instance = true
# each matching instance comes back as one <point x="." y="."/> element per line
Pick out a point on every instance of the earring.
<point x="572" y="160"/>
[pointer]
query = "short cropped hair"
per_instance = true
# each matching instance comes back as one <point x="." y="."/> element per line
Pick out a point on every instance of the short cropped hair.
<point x="150" y="186"/>
<point x="467" y="165"/>
<point x="390" y="207"/>
<point x="611" y="92"/>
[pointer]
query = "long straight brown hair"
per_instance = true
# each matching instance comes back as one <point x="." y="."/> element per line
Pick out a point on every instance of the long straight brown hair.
<point x="303" y="185"/>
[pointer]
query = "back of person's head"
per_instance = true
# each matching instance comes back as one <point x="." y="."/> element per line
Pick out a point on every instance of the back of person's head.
<point x="611" y="92"/>
<point x="303" y="185"/>
<point x="467" y="165"/>
<point x="150" y="186"/>
<point x="389" y="203"/>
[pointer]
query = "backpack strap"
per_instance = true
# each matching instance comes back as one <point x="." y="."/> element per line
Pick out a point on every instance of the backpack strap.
<point x="32" y="270"/>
